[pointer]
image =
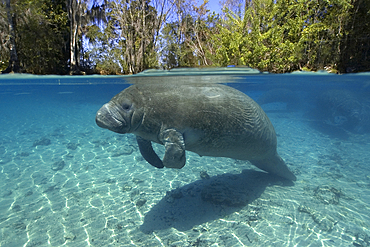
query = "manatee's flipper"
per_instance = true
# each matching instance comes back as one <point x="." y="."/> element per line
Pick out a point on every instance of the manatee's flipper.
<point x="275" y="165"/>
<point x="148" y="153"/>
<point x="174" y="156"/>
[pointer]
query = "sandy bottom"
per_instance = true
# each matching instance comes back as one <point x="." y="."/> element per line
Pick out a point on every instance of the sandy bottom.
<point x="65" y="181"/>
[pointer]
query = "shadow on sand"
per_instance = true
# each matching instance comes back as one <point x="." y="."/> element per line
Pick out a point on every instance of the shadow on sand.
<point x="208" y="199"/>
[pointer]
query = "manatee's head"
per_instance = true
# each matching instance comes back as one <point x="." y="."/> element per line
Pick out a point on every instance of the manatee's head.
<point x="119" y="115"/>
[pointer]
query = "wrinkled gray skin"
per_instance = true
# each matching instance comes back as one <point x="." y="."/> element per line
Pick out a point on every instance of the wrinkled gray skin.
<point x="208" y="119"/>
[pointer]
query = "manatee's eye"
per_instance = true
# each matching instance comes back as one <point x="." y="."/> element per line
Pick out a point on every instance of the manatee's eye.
<point x="126" y="106"/>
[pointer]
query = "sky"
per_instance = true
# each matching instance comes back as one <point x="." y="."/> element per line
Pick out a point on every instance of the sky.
<point x="214" y="5"/>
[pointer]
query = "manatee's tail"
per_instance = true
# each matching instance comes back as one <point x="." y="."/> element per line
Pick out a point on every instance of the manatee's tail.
<point x="275" y="165"/>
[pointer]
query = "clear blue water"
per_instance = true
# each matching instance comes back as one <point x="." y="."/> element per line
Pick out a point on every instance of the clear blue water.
<point x="65" y="181"/>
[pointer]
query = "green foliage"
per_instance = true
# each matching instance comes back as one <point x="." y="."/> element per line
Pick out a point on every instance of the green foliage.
<point x="271" y="35"/>
<point x="41" y="34"/>
<point x="42" y="40"/>
<point x="4" y="38"/>
<point x="171" y="51"/>
<point x="283" y="36"/>
<point x="177" y="51"/>
<point x="355" y="48"/>
<point x="106" y="54"/>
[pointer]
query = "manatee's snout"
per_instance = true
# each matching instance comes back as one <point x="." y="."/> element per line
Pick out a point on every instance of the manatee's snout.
<point x="109" y="117"/>
<point x="101" y="117"/>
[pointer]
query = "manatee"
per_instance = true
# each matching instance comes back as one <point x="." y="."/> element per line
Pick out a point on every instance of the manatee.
<point x="207" y="119"/>
<point x="343" y="109"/>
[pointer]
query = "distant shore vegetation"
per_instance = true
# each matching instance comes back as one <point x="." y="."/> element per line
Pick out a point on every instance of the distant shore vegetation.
<point x="128" y="37"/>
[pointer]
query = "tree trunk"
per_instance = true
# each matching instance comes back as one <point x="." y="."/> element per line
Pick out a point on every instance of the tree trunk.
<point x="13" y="60"/>
<point x="73" y="14"/>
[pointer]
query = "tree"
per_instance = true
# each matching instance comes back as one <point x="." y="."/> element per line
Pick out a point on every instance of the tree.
<point x="138" y="24"/>
<point x="46" y="36"/>
<point x="13" y="57"/>
<point x="133" y="28"/>
<point x="236" y="6"/>
<point x="4" y="38"/>
<point x="283" y="35"/>
<point x="79" y="17"/>
<point x="175" y="52"/>
<point x="106" y="54"/>
<point x="187" y="41"/>
<point x="43" y="36"/>
<point x="40" y="35"/>
<point x="355" y="48"/>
